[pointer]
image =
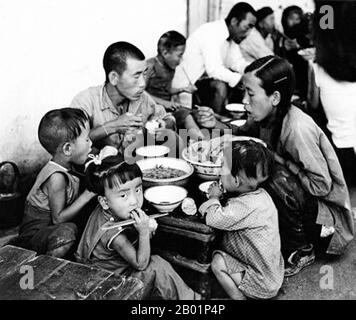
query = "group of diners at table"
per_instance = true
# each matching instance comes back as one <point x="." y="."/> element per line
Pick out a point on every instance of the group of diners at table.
<point x="279" y="205"/>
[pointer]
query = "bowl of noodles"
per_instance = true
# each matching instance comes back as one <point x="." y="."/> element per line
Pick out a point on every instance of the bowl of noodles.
<point x="206" y="156"/>
<point x="165" y="171"/>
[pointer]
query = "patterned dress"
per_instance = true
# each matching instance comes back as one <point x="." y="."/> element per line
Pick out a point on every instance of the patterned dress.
<point x="251" y="244"/>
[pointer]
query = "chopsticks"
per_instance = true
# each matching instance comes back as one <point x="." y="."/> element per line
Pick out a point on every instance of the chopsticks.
<point x="191" y="84"/>
<point x="132" y="221"/>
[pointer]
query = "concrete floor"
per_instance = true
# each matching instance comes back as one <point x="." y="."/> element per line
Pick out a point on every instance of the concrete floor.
<point x="326" y="279"/>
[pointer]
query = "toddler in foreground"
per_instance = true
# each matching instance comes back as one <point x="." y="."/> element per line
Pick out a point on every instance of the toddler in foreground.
<point x="249" y="263"/>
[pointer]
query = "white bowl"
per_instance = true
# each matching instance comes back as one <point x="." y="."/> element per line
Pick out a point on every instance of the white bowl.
<point x="235" y="107"/>
<point x="152" y="151"/>
<point x="165" y="198"/>
<point x="238" y="123"/>
<point x="210" y="171"/>
<point x="204" y="187"/>
<point x="166" y="162"/>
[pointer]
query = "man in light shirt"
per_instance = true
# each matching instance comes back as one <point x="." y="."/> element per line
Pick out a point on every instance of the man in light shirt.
<point x="259" y="42"/>
<point x="213" y="60"/>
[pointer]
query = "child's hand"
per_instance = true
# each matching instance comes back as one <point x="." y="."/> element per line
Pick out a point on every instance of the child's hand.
<point x="215" y="191"/>
<point x="142" y="221"/>
<point x="89" y="194"/>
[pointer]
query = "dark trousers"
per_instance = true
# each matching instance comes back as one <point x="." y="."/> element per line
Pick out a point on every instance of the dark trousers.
<point x="216" y="94"/>
<point x="297" y="212"/>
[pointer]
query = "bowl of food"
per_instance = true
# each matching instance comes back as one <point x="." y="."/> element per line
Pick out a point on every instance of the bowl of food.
<point x="237" y="110"/>
<point x="165" y="171"/>
<point x="165" y="198"/>
<point x="206" y="156"/>
<point x="152" y="151"/>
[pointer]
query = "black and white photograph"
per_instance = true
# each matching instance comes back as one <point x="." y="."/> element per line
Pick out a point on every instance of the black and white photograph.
<point x="201" y="151"/>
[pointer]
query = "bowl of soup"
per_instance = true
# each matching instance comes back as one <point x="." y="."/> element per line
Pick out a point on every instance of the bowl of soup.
<point x="165" y="171"/>
<point x="165" y="198"/>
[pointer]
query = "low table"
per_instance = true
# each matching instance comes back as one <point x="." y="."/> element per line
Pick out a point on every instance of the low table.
<point x="187" y="243"/>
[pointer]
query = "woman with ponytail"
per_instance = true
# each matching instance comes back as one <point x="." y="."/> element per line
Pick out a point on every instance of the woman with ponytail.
<point x="308" y="186"/>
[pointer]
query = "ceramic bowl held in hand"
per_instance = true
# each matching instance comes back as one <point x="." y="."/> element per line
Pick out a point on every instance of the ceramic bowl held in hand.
<point x="237" y="110"/>
<point x="165" y="198"/>
<point x="204" y="187"/>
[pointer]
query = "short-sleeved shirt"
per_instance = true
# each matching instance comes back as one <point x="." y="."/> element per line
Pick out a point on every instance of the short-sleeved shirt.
<point x="96" y="102"/>
<point x="159" y="79"/>
<point x="252" y="239"/>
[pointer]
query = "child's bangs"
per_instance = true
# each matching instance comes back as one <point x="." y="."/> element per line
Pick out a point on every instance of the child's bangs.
<point x="124" y="173"/>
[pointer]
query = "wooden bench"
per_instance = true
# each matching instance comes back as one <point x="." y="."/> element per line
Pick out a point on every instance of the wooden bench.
<point x="26" y="276"/>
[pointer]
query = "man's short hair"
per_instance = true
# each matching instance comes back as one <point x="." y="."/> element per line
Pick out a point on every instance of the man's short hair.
<point x="116" y="55"/>
<point x="263" y="13"/>
<point x="60" y="126"/>
<point x="239" y="11"/>
<point x="170" y="40"/>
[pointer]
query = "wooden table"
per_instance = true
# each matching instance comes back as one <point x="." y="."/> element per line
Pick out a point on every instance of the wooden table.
<point x="26" y="276"/>
<point x="187" y="243"/>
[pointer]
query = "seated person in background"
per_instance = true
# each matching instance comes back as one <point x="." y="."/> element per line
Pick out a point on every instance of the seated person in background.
<point x="296" y="29"/>
<point x="259" y="42"/>
<point x="120" y="108"/>
<point x="214" y="58"/>
<point x="126" y="250"/>
<point x="250" y="263"/>
<point x="54" y="201"/>
<point x="160" y="73"/>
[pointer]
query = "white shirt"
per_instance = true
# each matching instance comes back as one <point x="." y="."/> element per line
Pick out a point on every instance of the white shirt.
<point x="255" y="46"/>
<point x="339" y="101"/>
<point x="208" y="51"/>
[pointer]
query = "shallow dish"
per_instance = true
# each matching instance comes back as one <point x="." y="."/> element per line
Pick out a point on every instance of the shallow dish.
<point x="235" y="107"/>
<point x="238" y="123"/>
<point x="165" y="198"/>
<point x="152" y="151"/>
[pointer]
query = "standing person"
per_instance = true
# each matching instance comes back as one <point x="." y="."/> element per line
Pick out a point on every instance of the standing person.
<point x="250" y="262"/>
<point x="335" y="75"/>
<point x="259" y="43"/>
<point x="126" y="250"/>
<point x="54" y="199"/>
<point x="120" y="108"/>
<point x="160" y="73"/>
<point x="214" y="58"/>
<point x="308" y="186"/>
